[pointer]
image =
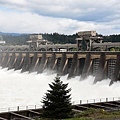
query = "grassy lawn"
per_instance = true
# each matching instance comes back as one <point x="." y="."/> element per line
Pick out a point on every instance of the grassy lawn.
<point x="93" y="114"/>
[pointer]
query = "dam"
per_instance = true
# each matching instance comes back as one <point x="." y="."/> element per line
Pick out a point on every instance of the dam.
<point x="83" y="70"/>
<point x="100" y="64"/>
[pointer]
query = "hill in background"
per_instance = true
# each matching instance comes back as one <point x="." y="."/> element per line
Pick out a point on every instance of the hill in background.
<point x="20" y="39"/>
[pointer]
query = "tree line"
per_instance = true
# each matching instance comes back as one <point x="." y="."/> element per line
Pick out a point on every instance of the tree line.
<point x="56" y="38"/>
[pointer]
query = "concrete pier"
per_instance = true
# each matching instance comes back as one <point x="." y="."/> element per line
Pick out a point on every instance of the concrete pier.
<point x="99" y="64"/>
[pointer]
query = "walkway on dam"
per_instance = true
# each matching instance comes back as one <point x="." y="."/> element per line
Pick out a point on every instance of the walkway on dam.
<point x="32" y="114"/>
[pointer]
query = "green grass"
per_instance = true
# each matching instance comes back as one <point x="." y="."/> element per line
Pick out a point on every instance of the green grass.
<point x="82" y="118"/>
<point x="93" y="114"/>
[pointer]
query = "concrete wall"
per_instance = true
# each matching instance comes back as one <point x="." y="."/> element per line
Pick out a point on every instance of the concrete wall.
<point x="99" y="64"/>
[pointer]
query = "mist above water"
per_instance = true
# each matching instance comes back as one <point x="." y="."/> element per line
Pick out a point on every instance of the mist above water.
<point x="28" y="89"/>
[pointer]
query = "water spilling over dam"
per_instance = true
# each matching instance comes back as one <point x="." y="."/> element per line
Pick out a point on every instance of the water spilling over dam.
<point x="29" y="87"/>
<point x="102" y="65"/>
<point x="22" y="89"/>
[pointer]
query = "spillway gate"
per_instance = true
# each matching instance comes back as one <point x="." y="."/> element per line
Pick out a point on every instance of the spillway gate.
<point x="102" y="65"/>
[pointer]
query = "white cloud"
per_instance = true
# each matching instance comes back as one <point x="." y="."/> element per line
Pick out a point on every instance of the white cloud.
<point x="63" y="16"/>
<point x="75" y="9"/>
<point x="13" y="2"/>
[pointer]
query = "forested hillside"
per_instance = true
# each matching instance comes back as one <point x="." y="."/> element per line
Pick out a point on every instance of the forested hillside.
<point x="15" y="40"/>
<point x="112" y="38"/>
<point x="60" y="38"/>
<point x="20" y="39"/>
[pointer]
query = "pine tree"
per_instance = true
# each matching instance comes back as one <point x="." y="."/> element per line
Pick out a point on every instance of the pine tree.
<point x="56" y="102"/>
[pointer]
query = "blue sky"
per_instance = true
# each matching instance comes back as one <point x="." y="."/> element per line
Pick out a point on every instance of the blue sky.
<point x="62" y="16"/>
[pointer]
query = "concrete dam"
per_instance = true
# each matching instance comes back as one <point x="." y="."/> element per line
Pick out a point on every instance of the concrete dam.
<point x="102" y="65"/>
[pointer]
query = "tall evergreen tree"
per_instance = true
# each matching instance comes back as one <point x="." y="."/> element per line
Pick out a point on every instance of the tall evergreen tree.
<point x="56" y="102"/>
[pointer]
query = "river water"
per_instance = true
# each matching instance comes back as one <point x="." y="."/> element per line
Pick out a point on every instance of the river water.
<point x="18" y="88"/>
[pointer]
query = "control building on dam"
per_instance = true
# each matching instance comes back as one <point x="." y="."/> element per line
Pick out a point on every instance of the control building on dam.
<point x="85" y="41"/>
<point x="102" y="65"/>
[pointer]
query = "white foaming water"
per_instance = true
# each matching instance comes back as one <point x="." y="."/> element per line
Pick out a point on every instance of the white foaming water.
<point x="28" y="89"/>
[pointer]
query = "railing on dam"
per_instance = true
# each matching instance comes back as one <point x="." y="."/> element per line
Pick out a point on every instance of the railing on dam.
<point x="97" y="100"/>
<point x="20" y="108"/>
<point x="102" y="65"/>
<point x="77" y="102"/>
